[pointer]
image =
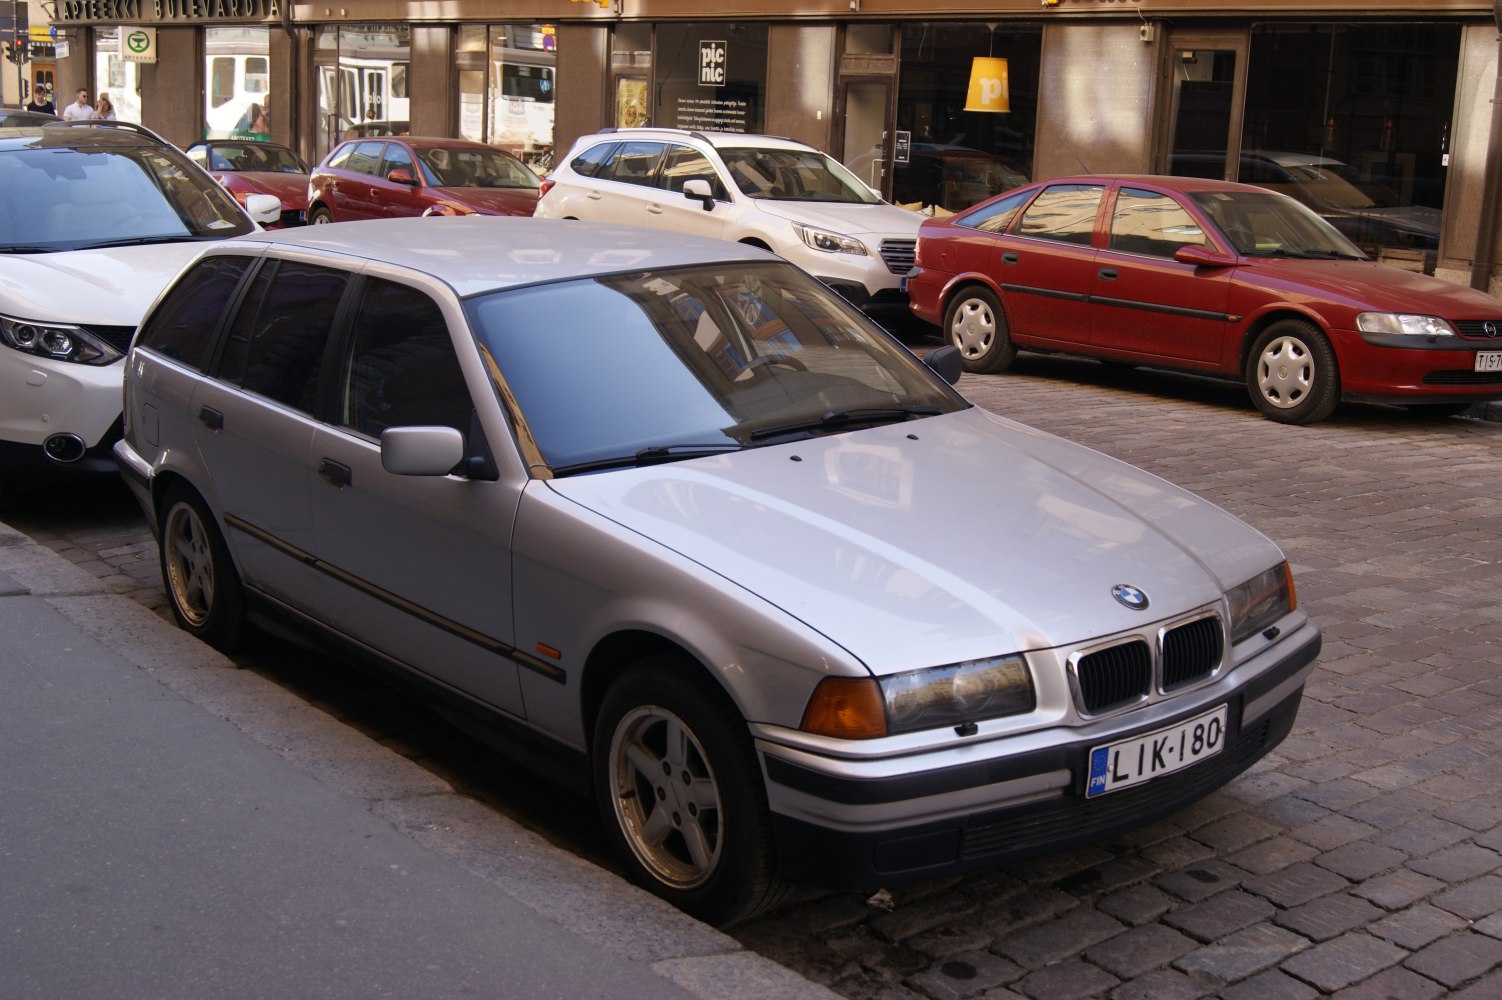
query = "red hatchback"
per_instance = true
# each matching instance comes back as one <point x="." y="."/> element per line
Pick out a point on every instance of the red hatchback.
<point x="395" y="177"/>
<point x="1206" y="276"/>
<point x="246" y="167"/>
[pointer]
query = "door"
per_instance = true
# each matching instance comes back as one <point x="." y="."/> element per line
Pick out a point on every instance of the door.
<point x="671" y="209"/>
<point x="393" y="199"/>
<point x="867" y="148"/>
<point x="1206" y="94"/>
<point x="353" y="187"/>
<point x="1046" y="269"/>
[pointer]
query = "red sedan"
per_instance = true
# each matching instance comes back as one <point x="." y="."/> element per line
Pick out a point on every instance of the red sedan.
<point x="246" y="167"/>
<point x="392" y="177"/>
<point x="1206" y="276"/>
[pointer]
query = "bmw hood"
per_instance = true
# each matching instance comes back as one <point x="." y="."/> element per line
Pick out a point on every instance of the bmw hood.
<point x="847" y="219"/>
<point x="941" y="540"/>
<point x="107" y="287"/>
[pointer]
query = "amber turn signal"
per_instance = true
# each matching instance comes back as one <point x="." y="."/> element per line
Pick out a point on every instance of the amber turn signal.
<point x="846" y="708"/>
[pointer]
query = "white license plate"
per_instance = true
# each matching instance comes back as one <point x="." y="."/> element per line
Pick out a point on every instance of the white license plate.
<point x="1489" y="361"/>
<point x="1152" y="755"/>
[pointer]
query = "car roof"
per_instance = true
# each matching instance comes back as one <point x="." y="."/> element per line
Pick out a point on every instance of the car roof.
<point x="65" y="136"/>
<point x="718" y="140"/>
<point x="426" y="142"/>
<point x="1174" y="183"/>
<point x="477" y="253"/>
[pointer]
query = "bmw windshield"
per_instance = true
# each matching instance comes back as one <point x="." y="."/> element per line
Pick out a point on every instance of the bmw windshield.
<point x="56" y="197"/>
<point x="634" y="369"/>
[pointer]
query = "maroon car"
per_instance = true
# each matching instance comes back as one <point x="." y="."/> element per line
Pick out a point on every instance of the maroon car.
<point x="404" y="176"/>
<point x="246" y="167"/>
<point x="1205" y="276"/>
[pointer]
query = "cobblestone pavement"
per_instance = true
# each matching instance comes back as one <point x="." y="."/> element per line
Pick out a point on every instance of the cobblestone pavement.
<point x="1363" y="858"/>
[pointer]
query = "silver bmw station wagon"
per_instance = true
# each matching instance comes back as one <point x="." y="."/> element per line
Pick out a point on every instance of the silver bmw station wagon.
<point x="673" y="522"/>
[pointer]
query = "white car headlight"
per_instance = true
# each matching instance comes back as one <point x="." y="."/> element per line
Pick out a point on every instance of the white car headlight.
<point x="59" y="341"/>
<point x="1404" y="325"/>
<point x="821" y="239"/>
<point x="1261" y="601"/>
<point x="951" y="695"/>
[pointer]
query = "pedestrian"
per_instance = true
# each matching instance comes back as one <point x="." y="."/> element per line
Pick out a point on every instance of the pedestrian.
<point x="41" y="101"/>
<point x="105" y="109"/>
<point x="254" y="119"/>
<point x="80" y="109"/>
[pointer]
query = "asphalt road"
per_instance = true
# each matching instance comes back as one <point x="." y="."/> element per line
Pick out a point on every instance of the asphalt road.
<point x="1362" y="859"/>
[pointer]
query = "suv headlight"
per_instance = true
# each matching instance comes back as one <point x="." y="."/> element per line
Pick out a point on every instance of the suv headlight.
<point x="822" y="239"/>
<point x="867" y="708"/>
<point x="58" y="341"/>
<point x="1403" y="325"/>
<point x="1260" y="601"/>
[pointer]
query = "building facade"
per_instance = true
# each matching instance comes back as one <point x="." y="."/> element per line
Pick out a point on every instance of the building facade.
<point x="1377" y="114"/>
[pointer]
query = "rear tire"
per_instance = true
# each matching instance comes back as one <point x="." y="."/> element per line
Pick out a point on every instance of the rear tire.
<point x="1291" y="373"/>
<point x="203" y="587"/>
<point x="975" y="323"/>
<point x="680" y="793"/>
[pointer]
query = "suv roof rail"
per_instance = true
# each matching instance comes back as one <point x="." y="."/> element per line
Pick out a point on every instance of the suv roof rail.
<point x="108" y="123"/>
<point x="695" y="133"/>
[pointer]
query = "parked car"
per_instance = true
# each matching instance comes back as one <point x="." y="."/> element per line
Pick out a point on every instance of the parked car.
<point x="668" y="518"/>
<point x="94" y="221"/>
<point x="246" y="167"/>
<point x="768" y="192"/>
<point x="1368" y="213"/>
<point x="403" y="176"/>
<point x="1206" y="276"/>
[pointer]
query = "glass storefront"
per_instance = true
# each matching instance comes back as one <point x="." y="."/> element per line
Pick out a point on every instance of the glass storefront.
<point x="1354" y="121"/>
<point x="237" y="83"/>
<point x="967" y="111"/>
<point x="362" y="82"/>
<point x="711" y="77"/>
<point x="506" y="78"/>
<point x="114" y="76"/>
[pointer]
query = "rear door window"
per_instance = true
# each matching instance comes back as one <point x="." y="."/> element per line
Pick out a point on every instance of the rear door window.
<point x="634" y="163"/>
<point x="277" y="340"/>
<point x="1064" y="213"/>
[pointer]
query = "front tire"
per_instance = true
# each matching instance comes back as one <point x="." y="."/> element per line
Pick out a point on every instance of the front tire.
<point x="680" y="792"/>
<point x="320" y="216"/>
<point x="975" y="323"/>
<point x="1291" y="373"/>
<point x="203" y="588"/>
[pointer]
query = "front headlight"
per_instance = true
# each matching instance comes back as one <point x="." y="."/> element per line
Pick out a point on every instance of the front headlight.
<point x="1404" y="325"/>
<point x="821" y="239"/>
<point x="1261" y="601"/>
<point x="951" y="695"/>
<point x="59" y="341"/>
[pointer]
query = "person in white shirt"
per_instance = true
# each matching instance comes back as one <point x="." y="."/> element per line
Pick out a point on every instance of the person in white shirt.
<point x="80" y="109"/>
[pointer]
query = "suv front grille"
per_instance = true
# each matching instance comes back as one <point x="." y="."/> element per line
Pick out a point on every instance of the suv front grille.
<point x="1128" y="672"/>
<point x="899" y="255"/>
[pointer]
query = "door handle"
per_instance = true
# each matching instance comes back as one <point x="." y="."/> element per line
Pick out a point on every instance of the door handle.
<point x="1010" y="257"/>
<point x="211" y="418"/>
<point x="337" y="474"/>
<point x="1108" y="273"/>
<point x="594" y="196"/>
<point x="655" y="209"/>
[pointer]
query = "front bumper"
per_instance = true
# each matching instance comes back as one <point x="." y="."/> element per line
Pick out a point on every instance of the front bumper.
<point x="851" y="832"/>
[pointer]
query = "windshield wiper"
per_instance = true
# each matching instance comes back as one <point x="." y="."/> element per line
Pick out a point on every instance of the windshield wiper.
<point x="835" y="419"/>
<point x="1332" y="254"/>
<point x="651" y="455"/>
<point x="33" y="249"/>
<point x="141" y="241"/>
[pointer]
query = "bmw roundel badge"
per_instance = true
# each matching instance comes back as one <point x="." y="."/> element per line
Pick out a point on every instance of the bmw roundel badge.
<point x="1130" y="596"/>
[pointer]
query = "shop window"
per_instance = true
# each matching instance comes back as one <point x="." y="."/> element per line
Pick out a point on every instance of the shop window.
<point x="114" y="76"/>
<point x="362" y="82"/>
<point x="237" y="74"/>
<point x="507" y="77"/>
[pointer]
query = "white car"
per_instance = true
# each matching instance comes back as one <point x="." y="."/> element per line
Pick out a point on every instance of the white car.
<point x="668" y="518"/>
<point x="94" y="221"/>
<point x="773" y="193"/>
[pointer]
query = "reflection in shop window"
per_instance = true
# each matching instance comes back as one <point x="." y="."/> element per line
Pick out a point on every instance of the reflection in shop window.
<point x="114" y="76"/>
<point x="237" y="71"/>
<point x="506" y="88"/>
<point x="362" y="82"/>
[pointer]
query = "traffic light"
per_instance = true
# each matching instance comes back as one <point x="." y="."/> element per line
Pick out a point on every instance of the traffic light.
<point x="15" y="52"/>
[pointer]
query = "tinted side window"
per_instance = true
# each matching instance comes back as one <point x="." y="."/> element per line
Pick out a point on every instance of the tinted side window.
<point x="1064" y="212"/>
<point x="182" y="328"/>
<point x="633" y="162"/>
<point x="401" y="370"/>
<point x="684" y="163"/>
<point x="589" y="162"/>
<point x="1149" y="223"/>
<point x="995" y="217"/>
<point x="276" y="343"/>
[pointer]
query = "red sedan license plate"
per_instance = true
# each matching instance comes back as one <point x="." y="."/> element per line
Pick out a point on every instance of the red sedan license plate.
<point x="1152" y="755"/>
<point x="1489" y="361"/>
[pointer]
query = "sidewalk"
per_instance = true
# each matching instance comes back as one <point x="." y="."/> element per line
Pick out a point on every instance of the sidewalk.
<point x="171" y="827"/>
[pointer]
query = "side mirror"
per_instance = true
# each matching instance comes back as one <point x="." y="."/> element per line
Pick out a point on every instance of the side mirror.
<point x="421" y="451"/>
<point x="1202" y="257"/>
<point x="945" y="362"/>
<point x="698" y="189"/>
<point x="402" y="175"/>
<point x="263" y="209"/>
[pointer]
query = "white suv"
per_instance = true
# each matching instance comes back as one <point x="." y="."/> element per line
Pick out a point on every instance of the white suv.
<point x="774" y="193"/>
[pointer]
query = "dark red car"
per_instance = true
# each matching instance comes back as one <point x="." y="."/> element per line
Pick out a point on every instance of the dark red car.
<point x="391" y="177"/>
<point x="1206" y="276"/>
<point x="246" y="167"/>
